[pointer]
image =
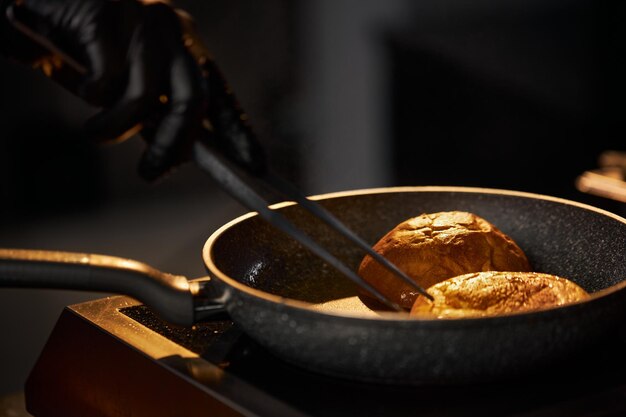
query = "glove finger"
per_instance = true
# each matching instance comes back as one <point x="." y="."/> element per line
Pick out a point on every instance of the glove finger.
<point x="65" y="23"/>
<point x="41" y="16"/>
<point x="233" y="135"/>
<point x="172" y="140"/>
<point x="106" y="54"/>
<point x="35" y="17"/>
<point x="93" y="34"/>
<point x="159" y="157"/>
<point x="147" y="74"/>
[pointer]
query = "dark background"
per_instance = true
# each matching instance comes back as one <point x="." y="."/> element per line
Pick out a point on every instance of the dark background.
<point x="343" y="94"/>
<point x="521" y="98"/>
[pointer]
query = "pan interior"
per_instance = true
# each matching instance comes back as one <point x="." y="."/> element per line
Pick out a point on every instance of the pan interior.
<point x="576" y="242"/>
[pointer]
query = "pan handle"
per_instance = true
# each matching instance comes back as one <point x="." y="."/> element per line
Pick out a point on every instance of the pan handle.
<point x="171" y="296"/>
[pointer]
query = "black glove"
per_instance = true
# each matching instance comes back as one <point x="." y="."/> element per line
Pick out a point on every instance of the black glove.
<point x="149" y="73"/>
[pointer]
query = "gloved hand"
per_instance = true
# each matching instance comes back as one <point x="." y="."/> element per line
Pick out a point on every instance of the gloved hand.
<point x="148" y="71"/>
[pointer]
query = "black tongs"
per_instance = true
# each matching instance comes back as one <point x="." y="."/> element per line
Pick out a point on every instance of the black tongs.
<point x="238" y="186"/>
<point x="240" y="181"/>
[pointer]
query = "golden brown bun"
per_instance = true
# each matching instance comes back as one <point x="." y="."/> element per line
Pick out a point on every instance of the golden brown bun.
<point x="433" y="247"/>
<point x="492" y="293"/>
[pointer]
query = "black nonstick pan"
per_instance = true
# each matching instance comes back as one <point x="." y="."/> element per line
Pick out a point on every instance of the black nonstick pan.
<point x="308" y="314"/>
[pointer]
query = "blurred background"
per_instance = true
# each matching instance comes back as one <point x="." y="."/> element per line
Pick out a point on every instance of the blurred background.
<point x="344" y="94"/>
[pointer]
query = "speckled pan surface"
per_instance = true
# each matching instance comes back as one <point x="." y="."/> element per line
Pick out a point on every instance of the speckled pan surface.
<point x="270" y="280"/>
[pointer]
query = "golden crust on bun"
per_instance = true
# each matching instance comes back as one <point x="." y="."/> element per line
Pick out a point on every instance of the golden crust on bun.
<point x="493" y="293"/>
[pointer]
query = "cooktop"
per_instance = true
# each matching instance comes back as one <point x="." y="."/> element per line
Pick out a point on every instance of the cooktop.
<point x="114" y="357"/>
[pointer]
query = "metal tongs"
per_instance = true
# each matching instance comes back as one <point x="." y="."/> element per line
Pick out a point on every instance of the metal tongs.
<point x="241" y="183"/>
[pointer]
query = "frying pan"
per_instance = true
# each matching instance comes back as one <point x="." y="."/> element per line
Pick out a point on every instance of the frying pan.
<point x="285" y="298"/>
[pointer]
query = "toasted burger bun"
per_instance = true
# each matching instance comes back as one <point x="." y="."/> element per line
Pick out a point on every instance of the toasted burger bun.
<point x="493" y="293"/>
<point x="433" y="247"/>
